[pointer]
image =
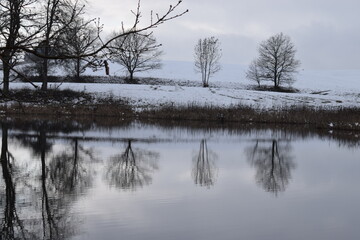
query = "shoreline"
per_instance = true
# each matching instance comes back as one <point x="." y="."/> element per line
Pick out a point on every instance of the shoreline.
<point x="74" y="104"/>
<point x="318" y="118"/>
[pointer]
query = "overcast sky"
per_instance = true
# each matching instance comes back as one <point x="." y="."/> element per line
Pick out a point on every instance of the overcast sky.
<point x="326" y="33"/>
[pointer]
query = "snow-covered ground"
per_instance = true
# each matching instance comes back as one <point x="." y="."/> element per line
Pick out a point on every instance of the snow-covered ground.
<point x="325" y="88"/>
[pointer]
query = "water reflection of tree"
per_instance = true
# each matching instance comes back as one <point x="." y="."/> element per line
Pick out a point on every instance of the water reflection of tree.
<point x="70" y="171"/>
<point x="133" y="168"/>
<point x="47" y="205"/>
<point x="11" y="226"/>
<point x="204" y="170"/>
<point x="54" y="203"/>
<point x="273" y="164"/>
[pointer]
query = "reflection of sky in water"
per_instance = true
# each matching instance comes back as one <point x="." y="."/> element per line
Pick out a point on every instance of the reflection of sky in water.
<point x="320" y="200"/>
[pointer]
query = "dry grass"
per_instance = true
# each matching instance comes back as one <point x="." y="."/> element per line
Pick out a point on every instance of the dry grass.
<point x="341" y="118"/>
<point x="62" y="103"/>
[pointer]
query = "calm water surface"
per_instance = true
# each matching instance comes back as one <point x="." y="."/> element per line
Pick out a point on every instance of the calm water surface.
<point x="146" y="182"/>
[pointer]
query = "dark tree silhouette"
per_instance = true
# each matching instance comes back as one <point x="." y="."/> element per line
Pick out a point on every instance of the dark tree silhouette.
<point x="204" y="169"/>
<point x="132" y="168"/>
<point x="23" y="25"/>
<point x="273" y="164"/>
<point x="57" y="15"/>
<point x="12" y="14"/>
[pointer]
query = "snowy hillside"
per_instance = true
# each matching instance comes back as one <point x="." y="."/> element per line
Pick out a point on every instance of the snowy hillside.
<point x="329" y="88"/>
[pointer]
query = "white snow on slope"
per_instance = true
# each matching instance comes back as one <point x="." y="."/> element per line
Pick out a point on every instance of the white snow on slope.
<point x="330" y="88"/>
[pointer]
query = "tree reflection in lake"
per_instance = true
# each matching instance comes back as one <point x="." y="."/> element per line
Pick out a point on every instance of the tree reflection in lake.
<point x="273" y="164"/>
<point x="54" y="222"/>
<point x="70" y="170"/>
<point x="11" y="226"/>
<point x="131" y="169"/>
<point x="44" y="210"/>
<point x="204" y="169"/>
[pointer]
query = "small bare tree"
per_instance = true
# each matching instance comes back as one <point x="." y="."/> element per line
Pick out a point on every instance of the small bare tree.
<point x="80" y="38"/>
<point x="136" y="52"/>
<point x="276" y="61"/>
<point x="207" y="56"/>
<point x="254" y="73"/>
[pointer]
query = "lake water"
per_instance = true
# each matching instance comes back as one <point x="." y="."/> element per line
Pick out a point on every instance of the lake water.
<point x="136" y="181"/>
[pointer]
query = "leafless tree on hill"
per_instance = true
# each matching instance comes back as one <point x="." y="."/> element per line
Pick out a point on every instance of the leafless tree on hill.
<point x="207" y="56"/>
<point x="276" y="62"/>
<point x="136" y="52"/>
<point x="80" y="38"/>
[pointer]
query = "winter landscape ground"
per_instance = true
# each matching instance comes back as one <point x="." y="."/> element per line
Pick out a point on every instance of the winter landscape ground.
<point x="179" y="85"/>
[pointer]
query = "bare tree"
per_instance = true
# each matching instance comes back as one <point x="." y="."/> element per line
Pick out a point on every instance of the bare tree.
<point x="34" y="64"/>
<point x="253" y="72"/>
<point x="15" y="31"/>
<point x="79" y="38"/>
<point x="136" y="52"/>
<point x="21" y="31"/>
<point x="58" y="15"/>
<point x="207" y="56"/>
<point x="276" y="61"/>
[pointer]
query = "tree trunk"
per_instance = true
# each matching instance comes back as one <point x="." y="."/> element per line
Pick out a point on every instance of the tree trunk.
<point x="44" y="74"/>
<point x="6" y="77"/>
<point x="4" y="143"/>
<point x="131" y="77"/>
<point x="78" y="63"/>
<point x="275" y="80"/>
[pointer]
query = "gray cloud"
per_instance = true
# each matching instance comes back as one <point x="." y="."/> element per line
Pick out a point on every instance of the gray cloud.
<point x="325" y="32"/>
